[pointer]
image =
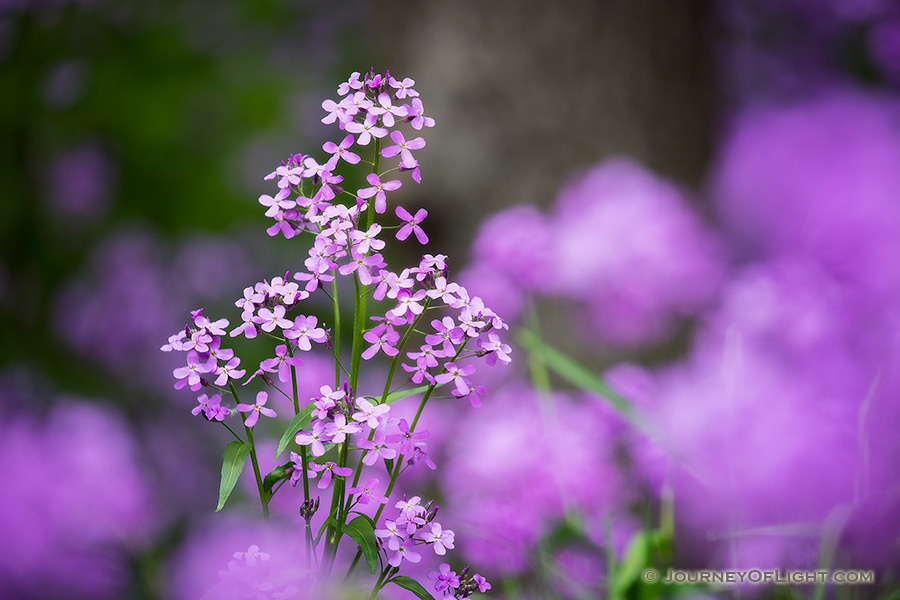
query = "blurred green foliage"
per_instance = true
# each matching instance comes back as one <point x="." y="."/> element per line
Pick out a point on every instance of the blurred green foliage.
<point x="179" y="97"/>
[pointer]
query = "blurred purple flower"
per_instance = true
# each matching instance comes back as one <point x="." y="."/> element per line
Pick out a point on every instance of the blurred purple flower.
<point x="818" y="179"/>
<point x="80" y="184"/>
<point x="241" y="558"/>
<point x="209" y="267"/>
<point x="627" y="245"/>
<point x="133" y="291"/>
<point x="516" y="466"/>
<point x="517" y="244"/>
<point x="786" y="358"/>
<point x="65" y="84"/>
<point x="74" y="526"/>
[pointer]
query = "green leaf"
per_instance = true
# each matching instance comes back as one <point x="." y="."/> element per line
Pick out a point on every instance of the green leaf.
<point x="632" y="565"/>
<point x="408" y="583"/>
<point x="573" y="372"/>
<point x="365" y="516"/>
<point x="297" y="423"/>
<point x="233" y="460"/>
<point x="362" y="531"/>
<point x="274" y="476"/>
<point x="401" y="394"/>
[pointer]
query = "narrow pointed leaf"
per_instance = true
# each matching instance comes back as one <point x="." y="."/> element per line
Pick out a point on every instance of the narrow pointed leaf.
<point x="233" y="460"/>
<point x="408" y="583"/>
<point x="300" y="421"/>
<point x="362" y="532"/>
<point x="401" y="394"/>
<point x="631" y="566"/>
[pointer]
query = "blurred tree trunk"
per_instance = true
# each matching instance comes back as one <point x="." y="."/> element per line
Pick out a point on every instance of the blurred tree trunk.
<point x="526" y="92"/>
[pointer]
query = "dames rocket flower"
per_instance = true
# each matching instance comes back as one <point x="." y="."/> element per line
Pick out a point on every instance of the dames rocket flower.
<point x="342" y="429"/>
<point x="256" y="409"/>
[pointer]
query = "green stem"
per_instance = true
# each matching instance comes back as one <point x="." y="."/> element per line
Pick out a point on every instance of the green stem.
<point x="259" y="481"/>
<point x="400" y="346"/>
<point x="296" y="399"/>
<point x="375" y="162"/>
<point x="399" y="461"/>
<point x="228" y="427"/>
<point x="379" y="584"/>
<point x="337" y="332"/>
<point x="334" y="532"/>
<point x="359" y="326"/>
<point x="304" y="456"/>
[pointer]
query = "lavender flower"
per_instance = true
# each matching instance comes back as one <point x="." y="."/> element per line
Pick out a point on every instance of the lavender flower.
<point x="74" y="532"/>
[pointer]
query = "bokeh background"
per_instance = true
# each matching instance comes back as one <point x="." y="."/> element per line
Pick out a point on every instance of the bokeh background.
<point x="697" y="201"/>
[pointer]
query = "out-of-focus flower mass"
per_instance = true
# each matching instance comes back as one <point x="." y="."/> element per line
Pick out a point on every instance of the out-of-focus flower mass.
<point x="732" y="403"/>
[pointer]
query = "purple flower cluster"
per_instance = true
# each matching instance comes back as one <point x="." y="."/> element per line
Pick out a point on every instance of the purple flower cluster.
<point x="462" y="585"/>
<point x="517" y="467"/>
<point x="398" y="535"/>
<point x="371" y="108"/>
<point x="342" y="246"/>
<point x="621" y="243"/>
<point x="337" y="420"/>
<point x="800" y="348"/>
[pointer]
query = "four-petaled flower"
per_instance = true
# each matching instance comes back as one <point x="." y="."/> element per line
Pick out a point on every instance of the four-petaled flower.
<point x="342" y="150"/>
<point x="412" y="224"/>
<point x="339" y="429"/>
<point x="368" y="413"/>
<point x="378" y="190"/>
<point x="402" y="147"/>
<point x="268" y="319"/>
<point x="367" y="493"/>
<point x="314" y="439"/>
<point x="382" y="337"/>
<point x="256" y="409"/>
<point x="327" y="470"/>
<point x="392" y="534"/>
<point x="441" y="538"/>
<point x="444" y="579"/>
<point x="304" y="331"/>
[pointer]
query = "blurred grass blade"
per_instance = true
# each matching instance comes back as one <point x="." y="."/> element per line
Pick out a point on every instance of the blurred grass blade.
<point x="631" y="566"/>
<point x="573" y="372"/>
